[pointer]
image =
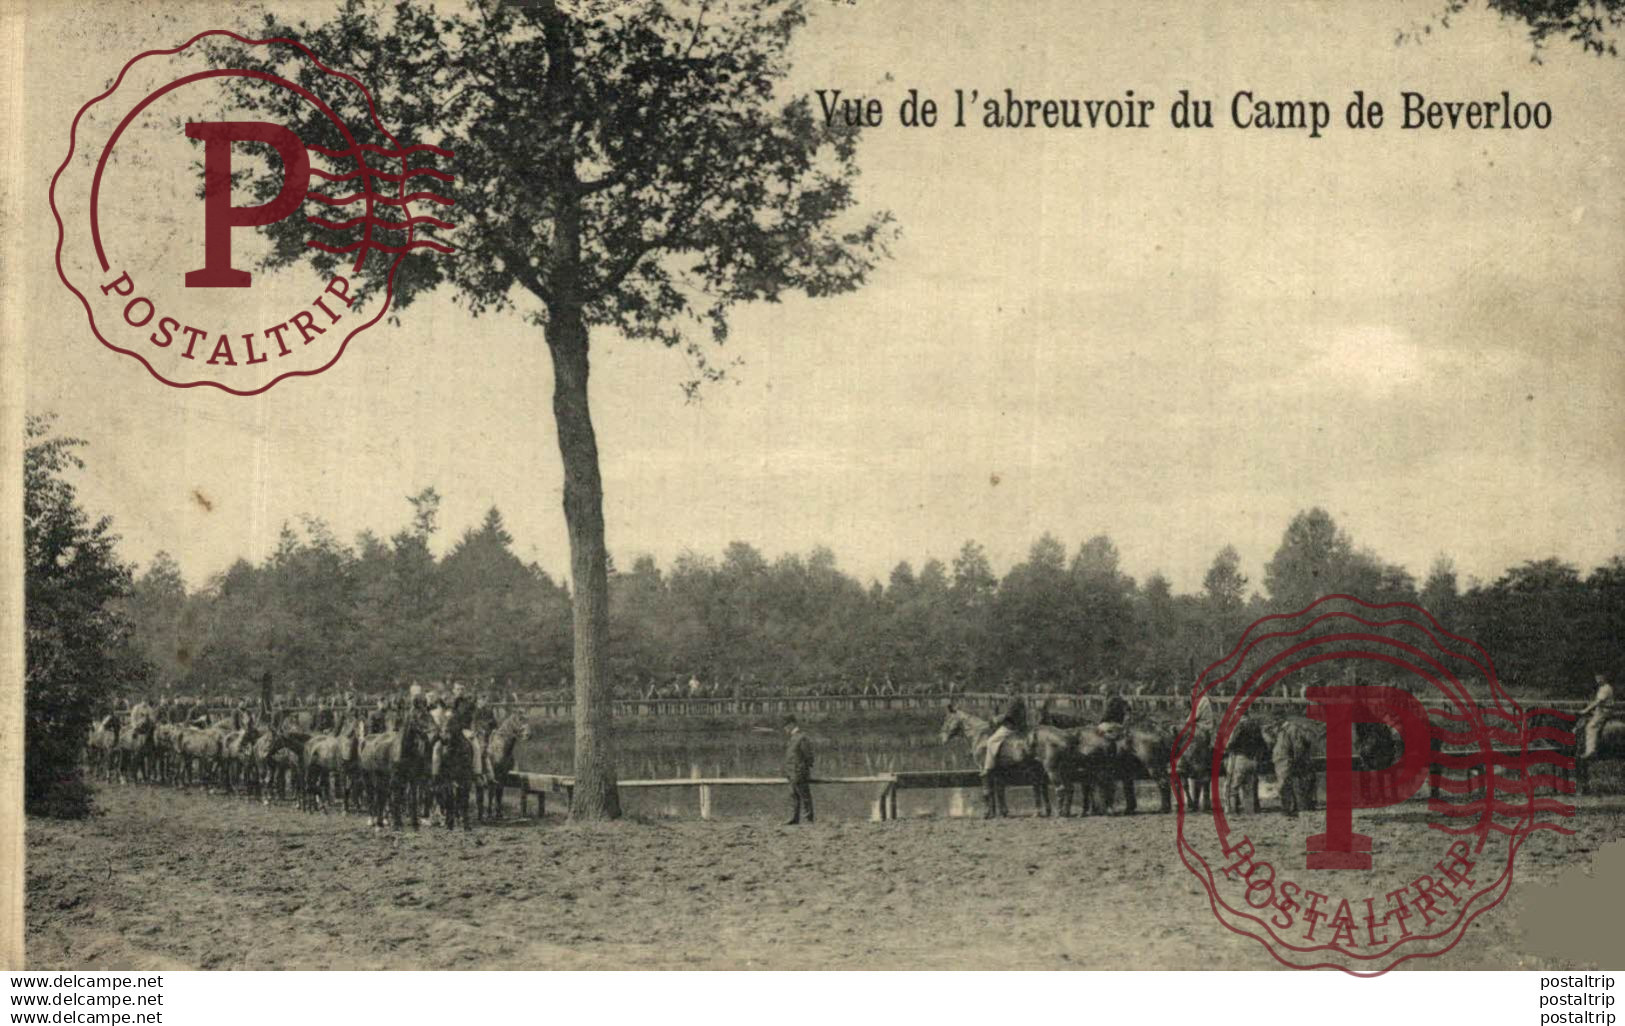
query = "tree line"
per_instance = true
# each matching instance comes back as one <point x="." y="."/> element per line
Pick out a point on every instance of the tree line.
<point x="379" y="612"/>
<point x="318" y="612"/>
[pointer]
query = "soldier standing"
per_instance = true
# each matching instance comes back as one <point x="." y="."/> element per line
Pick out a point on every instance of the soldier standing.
<point x="1116" y="709"/>
<point x="326" y="716"/>
<point x="798" y="764"/>
<point x="462" y="708"/>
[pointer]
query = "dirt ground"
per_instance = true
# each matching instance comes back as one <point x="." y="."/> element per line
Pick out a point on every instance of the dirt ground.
<point x="172" y="880"/>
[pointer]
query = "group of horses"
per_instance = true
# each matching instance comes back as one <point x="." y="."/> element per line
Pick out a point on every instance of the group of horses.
<point x="416" y="766"/>
<point x="1062" y="753"/>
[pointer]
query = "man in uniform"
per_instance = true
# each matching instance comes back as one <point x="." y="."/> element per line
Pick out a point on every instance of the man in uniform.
<point x="1012" y="721"/>
<point x="1207" y="712"/>
<point x="1599" y="710"/>
<point x="462" y="708"/>
<point x="798" y="764"/>
<point x="1116" y="713"/>
<point x="323" y="720"/>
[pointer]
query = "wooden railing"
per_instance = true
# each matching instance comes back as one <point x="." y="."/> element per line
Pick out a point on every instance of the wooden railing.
<point x="825" y="704"/>
<point x="540" y="785"/>
<point x="815" y="705"/>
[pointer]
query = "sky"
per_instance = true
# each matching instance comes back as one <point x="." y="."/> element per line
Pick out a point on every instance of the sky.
<point x="1175" y="338"/>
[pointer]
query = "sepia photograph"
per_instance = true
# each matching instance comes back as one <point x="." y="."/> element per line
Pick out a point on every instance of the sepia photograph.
<point x="814" y="485"/>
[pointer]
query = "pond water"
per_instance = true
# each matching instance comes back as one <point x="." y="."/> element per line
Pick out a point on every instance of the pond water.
<point x="847" y="744"/>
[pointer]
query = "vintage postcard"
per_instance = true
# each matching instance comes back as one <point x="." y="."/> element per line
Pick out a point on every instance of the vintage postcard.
<point x="787" y="484"/>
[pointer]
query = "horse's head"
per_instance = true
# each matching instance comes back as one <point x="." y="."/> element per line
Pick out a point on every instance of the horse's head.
<point x="953" y="725"/>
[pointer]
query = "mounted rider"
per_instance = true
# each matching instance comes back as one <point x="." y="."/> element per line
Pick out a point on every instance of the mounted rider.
<point x="1207" y="711"/>
<point x="461" y="707"/>
<point x="1013" y="720"/>
<point x="1115" y="715"/>
<point x="326" y="718"/>
<point x="484" y="715"/>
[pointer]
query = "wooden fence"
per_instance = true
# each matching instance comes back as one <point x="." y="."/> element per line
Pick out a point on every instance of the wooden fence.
<point x="884" y="806"/>
<point x="819" y="705"/>
<point x="540" y="785"/>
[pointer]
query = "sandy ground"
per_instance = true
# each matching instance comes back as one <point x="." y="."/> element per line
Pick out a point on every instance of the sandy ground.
<point x="171" y="880"/>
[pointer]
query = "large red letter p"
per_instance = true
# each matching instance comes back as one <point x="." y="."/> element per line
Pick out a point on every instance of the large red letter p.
<point x="1340" y="708"/>
<point x="219" y="216"/>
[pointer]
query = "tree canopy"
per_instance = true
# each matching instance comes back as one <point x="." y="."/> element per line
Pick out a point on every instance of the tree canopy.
<point x="634" y="170"/>
<point x="76" y="634"/>
<point x="798" y="623"/>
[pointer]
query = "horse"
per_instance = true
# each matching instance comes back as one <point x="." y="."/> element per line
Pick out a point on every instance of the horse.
<point x="101" y="744"/>
<point x="1610" y="745"/>
<point x="1017" y="760"/>
<point x="278" y="756"/>
<point x="200" y="749"/>
<point x="451" y="771"/>
<point x="166" y="751"/>
<point x="1292" y="750"/>
<point x="1196" y="767"/>
<point x="133" y="755"/>
<point x="1243" y="756"/>
<point x="1095" y="761"/>
<point x="494" y="759"/>
<point x="236" y="754"/>
<point x="394" y="764"/>
<point x="1147" y="754"/>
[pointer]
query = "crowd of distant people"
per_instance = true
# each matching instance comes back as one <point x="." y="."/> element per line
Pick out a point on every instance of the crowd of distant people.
<point x="188" y="704"/>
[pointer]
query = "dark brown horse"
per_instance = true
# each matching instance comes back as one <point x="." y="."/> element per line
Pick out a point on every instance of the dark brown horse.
<point x="451" y="772"/>
<point x="1196" y="767"/>
<point x="1610" y="746"/>
<point x="1113" y="760"/>
<point x="395" y="765"/>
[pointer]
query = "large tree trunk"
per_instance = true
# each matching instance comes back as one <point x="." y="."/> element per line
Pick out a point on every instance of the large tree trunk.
<point x="595" y="794"/>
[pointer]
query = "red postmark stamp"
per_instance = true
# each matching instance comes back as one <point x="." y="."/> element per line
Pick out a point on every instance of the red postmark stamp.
<point x="172" y="169"/>
<point x="1383" y="701"/>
